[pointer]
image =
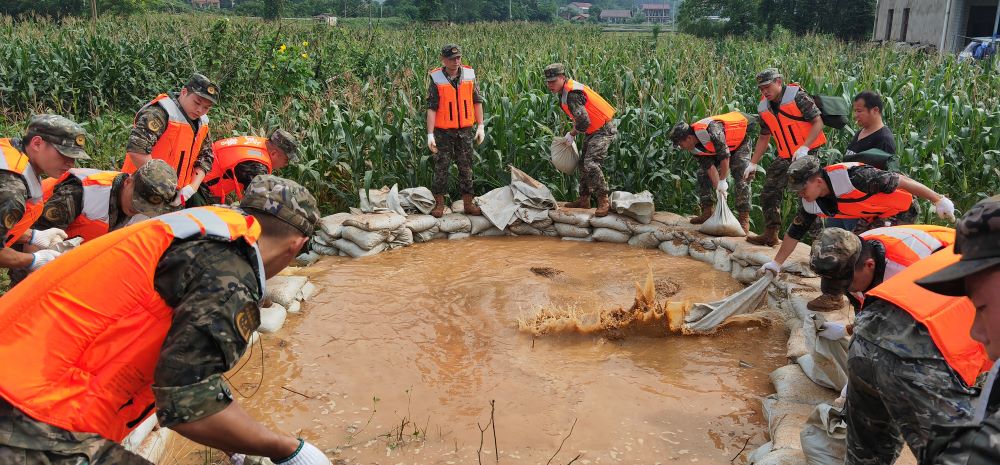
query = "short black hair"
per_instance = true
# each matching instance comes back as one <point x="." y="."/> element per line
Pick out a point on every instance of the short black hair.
<point x="866" y="252"/>
<point x="272" y="226"/>
<point x="871" y="100"/>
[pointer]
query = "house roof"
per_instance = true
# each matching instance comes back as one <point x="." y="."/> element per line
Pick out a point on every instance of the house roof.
<point x="580" y="5"/>
<point x="616" y="13"/>
<point x="655" y="6"/>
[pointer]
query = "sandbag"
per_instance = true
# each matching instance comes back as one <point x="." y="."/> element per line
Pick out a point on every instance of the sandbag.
<point x="458" y="236"/>
<point x="705" y="318"/>
<point x="402" y="237"/>
<point x="272" y="318"/>
<point x="792" y="385"/>
<point x="331" y="224"/>
<point x="675" y="247"/>
<point x="824" y="438"/>
<point x="365" y="239"/>
<point x="784" y="422"/>
<point x="523" y="229"/>
<point x="283" y="290"/>
<point x="323" y="239"/>
<point x="613" y="221"/>
<point x="323" y="249"/>
<point x="609" y="235"/>
<point x="416" y="199"/>
<point x="644" y="241"/>
<point x="572" y="217"/>
<point x="307" y="291"/>
<point x="376" y="221"/>
<point x="545" y="226"/>
<point x="420" y="223"/>
<point x="295" y="307"/>
<point x="827" y="362"/>
<point x="636" y="206"/>
<point x="352" y="250"/>
<point x="722" y="222"/>
<point x="384" y="199"/>
<point x="454" y="222"/>
<point x="564" y="155"/>
<point x="569" y="230"/>
<point x="669" y="218"/>
<point x="493" y="231"/>
<point x="427" y="235"/>
<point x="479" y="224"/>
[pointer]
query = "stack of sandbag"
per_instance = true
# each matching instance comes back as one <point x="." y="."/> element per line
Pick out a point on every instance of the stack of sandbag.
<point x="787" y="412"/>
<point x="285" y="294"/>
<point x="384" y="199"/>
<point x="329" y="231"/>
<point x="636" y="206"/>
<point x="423" y="227"/>
<point x="525" y="199"/>
<point x="368" y="234"/>
<point x="571" y="224"/>
<point x="416" y="200"/>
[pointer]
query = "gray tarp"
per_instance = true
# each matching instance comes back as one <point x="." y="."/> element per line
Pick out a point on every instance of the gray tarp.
<point x="636" y="206"/>
<point x="704" y="318"/>
<point x="524" y="199"/>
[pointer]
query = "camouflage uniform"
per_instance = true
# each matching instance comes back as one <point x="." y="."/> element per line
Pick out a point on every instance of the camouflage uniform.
<point x="213" y="289"/>
<point x="738" y="161"/>
<point x="13" y="195"/>
<point x="452" y="144"/>
<point x="246" y="171"/>
<point x="595" y="146"/>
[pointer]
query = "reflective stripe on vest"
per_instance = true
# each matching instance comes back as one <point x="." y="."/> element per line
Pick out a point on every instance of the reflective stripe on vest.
<point x="906" y="245"/>
<point x="13" y="160"/>
<point x="598" y="110"/>
<point x="854" y="203"/>
<point x="178" y="145"/>
<point x="735" y="125"/>
<point x="94" y="217"/>
<point x="456" y="109"/>
<point x="82" y="336"/>
<point x="948" y="319"/>
<point x="229" y="153"/>
<point x="787" y="127"/>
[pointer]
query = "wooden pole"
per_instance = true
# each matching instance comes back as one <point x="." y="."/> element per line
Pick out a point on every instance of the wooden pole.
<point x="93" y="14"/>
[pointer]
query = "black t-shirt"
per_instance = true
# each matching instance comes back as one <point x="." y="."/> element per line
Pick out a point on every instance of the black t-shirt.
<point x="881" y="139"/>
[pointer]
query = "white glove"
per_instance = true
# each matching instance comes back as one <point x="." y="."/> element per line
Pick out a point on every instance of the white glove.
<point x="570" y="138"/>
<point x="307" y="454"/>
<point x="42" y="257"/>
<point x="832" y="331"/>
<point x="771" y="266"/>
<point x="480" y="134"/>
<point x="48" y="238"/>
<point x="186" y="193"/>
<point x="723" y="186"/>
<point x="800" y="152"/>
<point x="431" y="143"/>
<point x="751" y="169"/>
<point x="945" y="208"/>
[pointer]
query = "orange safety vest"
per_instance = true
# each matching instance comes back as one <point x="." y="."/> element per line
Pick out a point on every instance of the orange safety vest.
<point x="455" y="109"/>
<point x="178" y="145"/>
<point x="948" y="319"/>
<point x="94" y="219"/>
<point x="598" y="109"/>
<point x="229" y="153"/>
<point x="82" y="336"/>
<point x="15" y="161"/>
<point x="736" y="132"/>
<point x="787" y="125"/>
<point x="853" y="203"/>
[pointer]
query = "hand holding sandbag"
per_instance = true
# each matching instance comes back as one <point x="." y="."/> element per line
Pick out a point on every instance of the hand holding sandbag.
<point x="800" y="152"/>
<point x="945" y="208"/>
<point x="772" y="267"/>
<point x="722" y="187"/>
<point x="48" y="238"/>
<point x="832" y="331"/>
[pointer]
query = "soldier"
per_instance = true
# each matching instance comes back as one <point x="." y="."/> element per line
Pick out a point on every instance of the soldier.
<point x="89" y="203"/>
<point x="591" y="115"/>
<point x="174" y="128"/>
<point x="977" y="276"/>
<point x="790" y="117"/>
<point x="51" y="145"/>
<point x="240" y="159"/>
<point x="148" y="318"/>
<point x="849" y="190"/>
<point x="454" y="104"/>
<point x="713" y="139"/>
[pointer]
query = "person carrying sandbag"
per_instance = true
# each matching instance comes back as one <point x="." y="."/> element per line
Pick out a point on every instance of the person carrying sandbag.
<point x="721" y="143"/>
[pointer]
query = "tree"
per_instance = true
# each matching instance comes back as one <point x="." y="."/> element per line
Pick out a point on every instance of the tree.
<point x="717" y="17"/>
<point x="429" y="9"/>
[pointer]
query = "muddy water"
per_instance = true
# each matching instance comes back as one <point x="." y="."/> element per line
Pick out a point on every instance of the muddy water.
<point x="398" y="358"/>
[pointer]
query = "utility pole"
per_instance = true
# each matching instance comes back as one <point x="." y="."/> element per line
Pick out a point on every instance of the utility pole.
<point x="510" y="10"/>
<point x="93" y="14"/>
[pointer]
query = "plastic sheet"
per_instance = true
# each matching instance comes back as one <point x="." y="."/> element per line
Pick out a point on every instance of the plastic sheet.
<point x="705" y="318"/>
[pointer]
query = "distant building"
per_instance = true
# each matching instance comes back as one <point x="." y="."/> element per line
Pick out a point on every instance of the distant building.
<point x="945" y="24"/>
<point x="616" y="16"/>
<point x="582" y="6"/>
<point x="656" y="12"/>
<point x="206" y="4"/>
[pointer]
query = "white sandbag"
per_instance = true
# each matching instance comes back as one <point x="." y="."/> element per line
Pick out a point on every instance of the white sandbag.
<point x="420" y="223"/>
<point x="295" y="307"/>
<point x="826" y="364"/>
<point x="479" y="224"/>
<point x="493" y="231"/>
<point x="792" y="385"/>
<point x="579" y="239"/>
<point x="781" y="457"/>
<point x="416" y="199"/>
<point x="308" y="258"/>
<point x="425" y="236"/>
<point x="609" y="235"/>
<point x="644" y="241"/>
<point x="705" y="318"/>
<point x="440" y="235"/>
<point x="331" y="224"/>
<point x="636" y="206"/>
<point x="569" y="230"/>
<point x="399" y="238"/>
<point x="721" y="260"/>
<point x="376" y="221"/>
<point x="352" y="250"/>
<point x="613" y="221"/>
<point x="564" y="155"/>
<point x="670" y="218"/>
<point x="458" y="207"/>
<point x="384" y="199"/>
<point x="284" y="290"/>
<point x="698" y="252"/>
<point x="580" y="218"/>
<point x="321" y="249"/>
<point x="307" y="291"/>
<point x="652" y="226"/>
<point x="824" y="437"/>
<point x="785" y="421"/>
<point x="523" y="229"/>
<point x="722" y="222"/>
<point x="365" y="239"/>
<point x="454" y="222"/>
<point x="272" y="318"/>
<point x="759" y="453"/>
<point x="545" y="226"/>
<point x="675" y="247"/>
<point x="458" y="236"/>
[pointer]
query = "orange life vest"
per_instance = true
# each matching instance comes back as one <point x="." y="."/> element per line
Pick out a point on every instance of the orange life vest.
<point x="178" y="145"/>
<point x="906" y="245"/>
<point x="94" y="218"/>
<point x="82" y="336"/>
<point x="735" y="124"/>
<point x="229" y="153"/>
<point x="455" y="106"/>
<point x="598" y="110"/>
<point x="13" y="160"/>
<point x="788" y="127"/>
<point x="948" y="319"/>
<point x="853" y="203"/>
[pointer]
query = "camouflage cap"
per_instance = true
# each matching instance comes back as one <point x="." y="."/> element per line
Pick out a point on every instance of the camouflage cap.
<point x="284" y="199"/>
<point x="833" y="256"/>
<point x="204" y="87"/>
<point x="155" y="188"/>
<point x="679" y="132"/>
<point x="801" y="170"/>
<point x="286" y="142"/>
<point x="65" y="135"/>
<point x="977" y="240"/>
<point x="768" y="76"/>
<point x="553" y="71"/>
<point x="450" y="51"/>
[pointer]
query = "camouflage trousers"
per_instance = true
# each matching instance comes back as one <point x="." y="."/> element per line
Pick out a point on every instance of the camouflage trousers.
<point x="453" y="145"/>
<point x="26" y="441"/>
<point x="595" y="148"/>
<point x="738" y="162"/>
<point x="773" y="192"/>
<point x="891" y="399"/>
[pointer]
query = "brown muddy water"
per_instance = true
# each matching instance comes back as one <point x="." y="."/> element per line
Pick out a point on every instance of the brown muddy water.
<point x="398" y="357"/>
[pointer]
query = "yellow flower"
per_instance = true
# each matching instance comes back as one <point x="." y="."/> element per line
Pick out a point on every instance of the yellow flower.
<point x="282" y="49"/>
<point x="305" y="44"/>
<point x="305" y="55"/>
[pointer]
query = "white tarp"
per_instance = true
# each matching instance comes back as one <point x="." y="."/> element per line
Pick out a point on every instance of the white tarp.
<point x="704" y="318"/>
<point x="525" y="199"/>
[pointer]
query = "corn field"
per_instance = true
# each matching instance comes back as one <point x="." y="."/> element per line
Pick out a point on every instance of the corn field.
<point x="356" y="95"/>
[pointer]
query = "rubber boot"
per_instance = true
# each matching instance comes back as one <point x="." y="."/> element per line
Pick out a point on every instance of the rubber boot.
<point x="438" y="210"/>
<point x="706" y="213"/>
<point x="769" y="238"/>
<point x="826" y="303"/>
<point x="603" y="205"/>
<point x="469" y="206"/>
<point x="744" y="218"/>
<point x="582" y="202"/>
